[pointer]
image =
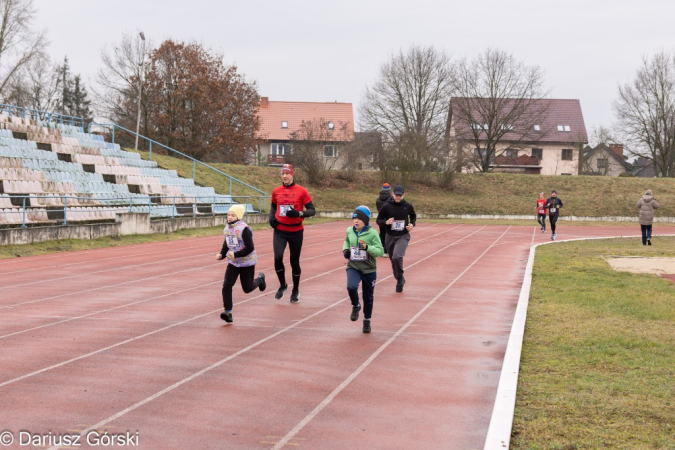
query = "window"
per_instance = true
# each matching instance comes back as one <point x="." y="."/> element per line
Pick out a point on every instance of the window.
<point x="512" y="153"/>
<point x="602" y="163"/>
<point x="280" y="149"/>
<point x="537" y="128"/>
<point x="564" y="128"/>
<point x="330" y="151"/>
<point x="331" y="126"/>
<point x="567" y="154"/>
<point x="284" y="124"/>
<point x="477" y="126"/>
<point x="507" y="127"/>
<point x="538" y="153"/>
<point x="567" y="128"/>
<point x="482" y="154"/>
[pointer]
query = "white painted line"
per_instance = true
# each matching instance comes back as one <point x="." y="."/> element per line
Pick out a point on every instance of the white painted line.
<point x="221" y="362"/>
<point x="291" y="434"/>
<point x="501" y="422"/>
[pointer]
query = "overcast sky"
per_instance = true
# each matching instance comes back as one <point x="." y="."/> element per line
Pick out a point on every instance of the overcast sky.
<point x="304" y="50"/>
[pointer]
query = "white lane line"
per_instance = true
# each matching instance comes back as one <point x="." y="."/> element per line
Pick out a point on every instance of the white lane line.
<point x="291" y="434"/>
<point x="14" y="305"/>
<point x="499" y="432"/>
<point x="136" y="302"/>
<point x="125" y="268"/>
<point x="150" y="333"/>
<point x="234" y="355"/>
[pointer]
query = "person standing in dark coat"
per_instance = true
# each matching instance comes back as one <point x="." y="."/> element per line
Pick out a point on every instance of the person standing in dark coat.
<point x="398" y="217"/>
<point x="647" y="204"/>
<point x="385" y="195"/>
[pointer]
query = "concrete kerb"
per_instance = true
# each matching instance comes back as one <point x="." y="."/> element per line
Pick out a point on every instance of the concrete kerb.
<point x="501" y="422"/>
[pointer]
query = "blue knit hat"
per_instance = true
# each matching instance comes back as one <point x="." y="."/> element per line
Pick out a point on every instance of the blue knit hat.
<point x="363" y="213"/>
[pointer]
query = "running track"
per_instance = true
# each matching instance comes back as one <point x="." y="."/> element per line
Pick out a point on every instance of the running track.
<point x="130" y="339"/>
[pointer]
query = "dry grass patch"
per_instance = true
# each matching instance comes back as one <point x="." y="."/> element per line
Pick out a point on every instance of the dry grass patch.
<point x="597" y="362"/>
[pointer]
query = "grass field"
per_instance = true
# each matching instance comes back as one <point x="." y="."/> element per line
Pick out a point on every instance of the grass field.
<point x="598" y="359"/>
<point x="471" y="194"/>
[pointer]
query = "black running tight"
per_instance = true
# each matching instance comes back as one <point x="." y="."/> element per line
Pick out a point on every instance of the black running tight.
<point x="553" y="220"/>
<point x="294" y="241"/>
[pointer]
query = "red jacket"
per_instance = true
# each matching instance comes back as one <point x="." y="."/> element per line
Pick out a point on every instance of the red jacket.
<point x="295" y="196"/>
<point x="541" y="206"/>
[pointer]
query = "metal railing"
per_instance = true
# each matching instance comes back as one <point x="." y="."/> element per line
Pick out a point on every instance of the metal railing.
<point x="113" y="126"/>
<point x="36" y="114"/>
<point x="90" y="209"/>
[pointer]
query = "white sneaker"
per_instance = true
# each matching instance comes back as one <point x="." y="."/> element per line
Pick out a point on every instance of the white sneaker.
<point x="553" y="237"/>
<point x="386" y="255"/>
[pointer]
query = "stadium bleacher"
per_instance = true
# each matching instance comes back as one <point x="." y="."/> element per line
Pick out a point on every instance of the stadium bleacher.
<point x="53" y="173"/>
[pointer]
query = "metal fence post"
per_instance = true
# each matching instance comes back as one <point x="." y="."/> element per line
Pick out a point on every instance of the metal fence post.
<point x="150" y="157"/>
<point x="65" y="210"/>
<point x="194" y="170"/>
<point x="173" y="210"/>
<point x="23" y="220"/>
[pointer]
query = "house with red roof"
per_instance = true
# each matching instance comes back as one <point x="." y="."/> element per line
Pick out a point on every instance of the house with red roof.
<point x="283" y="122"/>
<point x="546" y="136"/>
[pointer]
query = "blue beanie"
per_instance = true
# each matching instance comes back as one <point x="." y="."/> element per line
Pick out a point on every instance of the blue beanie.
<point x="363" y="213"/>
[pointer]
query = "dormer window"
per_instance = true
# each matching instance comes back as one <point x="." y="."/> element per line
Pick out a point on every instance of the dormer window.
<point x="284" y="124"/>
<point x="564" y="128"/>
<point x="331" y="126"/>
<point x="537" y="128"/>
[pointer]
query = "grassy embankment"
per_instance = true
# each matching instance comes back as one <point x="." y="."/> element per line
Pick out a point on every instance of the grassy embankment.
<point x="597" y="364"/>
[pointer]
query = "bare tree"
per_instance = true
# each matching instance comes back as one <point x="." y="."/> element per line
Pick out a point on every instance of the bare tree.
<point x="316" y="147"/>
<point x="408" y="106"/>
<point x="19" y="43"/>
<point x="116" y="95"/>
<point x="498" y="101"/>
<point x="645" y="111"/>
<point x="38" y="86"/>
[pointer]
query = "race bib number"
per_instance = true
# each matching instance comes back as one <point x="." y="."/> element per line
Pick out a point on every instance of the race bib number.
<point x="542" y="211"/>
<point x="283" y="209"/>
<point x="358" y="254"/>
<point x="398" y="225"/>
<point x="553" y="210"/>
<point x="232" y="241"/>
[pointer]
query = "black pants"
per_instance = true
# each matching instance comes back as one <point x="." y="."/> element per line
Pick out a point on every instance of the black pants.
<point x="553" y="219"/>
<point x="541" y="218"/>
<point x="367" y="280"/>
<point x="294" y="241"/>
<point x="646" y="233"/>
<point x="248" y="284"/>
<point x="383" y="236"/>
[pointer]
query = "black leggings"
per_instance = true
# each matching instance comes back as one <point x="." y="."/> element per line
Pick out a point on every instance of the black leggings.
<point x="541" y="218"/>
<point x="553" y="220"/>
<point x="245" y="275"/>
<point x="294" y="241"/>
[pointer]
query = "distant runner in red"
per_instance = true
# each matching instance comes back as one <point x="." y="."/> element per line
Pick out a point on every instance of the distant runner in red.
<point x="541" y="211"/>
<point x="291" y="203"/>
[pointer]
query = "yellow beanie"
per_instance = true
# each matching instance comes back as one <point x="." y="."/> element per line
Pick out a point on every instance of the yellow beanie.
<point x="238" y="210"/>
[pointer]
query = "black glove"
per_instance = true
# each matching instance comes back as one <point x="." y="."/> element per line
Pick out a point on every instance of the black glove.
<point x="274" y="222"/>
<point x="292" y="213"/>
<point x="347" y="253"/>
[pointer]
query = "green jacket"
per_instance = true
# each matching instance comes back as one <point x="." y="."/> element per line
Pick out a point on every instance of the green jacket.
<point x="374" y="248"/>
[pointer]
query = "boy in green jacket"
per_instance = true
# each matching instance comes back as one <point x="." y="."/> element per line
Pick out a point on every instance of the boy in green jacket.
<point x="362" y="245"/>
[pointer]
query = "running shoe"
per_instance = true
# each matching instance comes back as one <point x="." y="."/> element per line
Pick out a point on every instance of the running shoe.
<point x="355" y="313"/>
<point x="649" y="242"/>
<point x="261" y="283"/>
<point x="280" y="292"/>
<point x="366" y="325"/>
<point x="553" y="237"/>
<point x="226" y="316"/>
<point x="399" y="284"/>
<point x="295" y="297"/>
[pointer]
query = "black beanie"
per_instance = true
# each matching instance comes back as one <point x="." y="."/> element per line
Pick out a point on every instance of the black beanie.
<point x="363" y="213"/>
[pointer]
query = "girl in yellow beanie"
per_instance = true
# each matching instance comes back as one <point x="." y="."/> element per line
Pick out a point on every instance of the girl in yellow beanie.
<point x="241" y="259"/>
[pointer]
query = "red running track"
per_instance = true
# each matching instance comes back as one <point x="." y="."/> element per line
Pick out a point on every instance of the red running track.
<point x="129" y="339"/>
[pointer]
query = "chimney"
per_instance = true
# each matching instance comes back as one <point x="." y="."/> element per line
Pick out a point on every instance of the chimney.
<point x="618" y="149"/>
<point x="264" y="102"/>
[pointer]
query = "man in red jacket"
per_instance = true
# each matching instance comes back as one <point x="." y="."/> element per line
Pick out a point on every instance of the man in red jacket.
<point x="291" y="203"/>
